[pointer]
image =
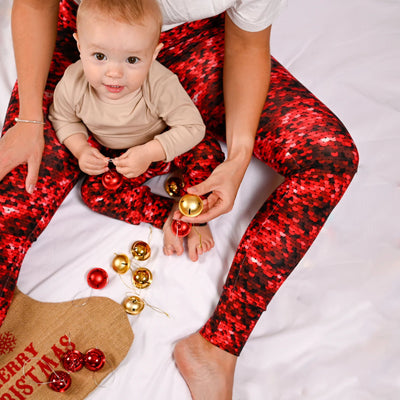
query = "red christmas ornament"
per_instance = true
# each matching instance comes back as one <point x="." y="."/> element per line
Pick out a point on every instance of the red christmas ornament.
<point x="180" y="228"/>
<point x="97" y="278"/>
<point x="94" y="359"/>
<point x="111" y="180"/>
<point x="59" y="381"/>
<point x="73" y="360"/>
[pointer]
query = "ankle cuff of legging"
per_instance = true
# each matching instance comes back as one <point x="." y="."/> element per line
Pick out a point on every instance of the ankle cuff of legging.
<point x="231" y="324"/>
<point x="157" y="214"/>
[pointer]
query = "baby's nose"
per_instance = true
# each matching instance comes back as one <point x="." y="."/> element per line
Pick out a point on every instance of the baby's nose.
<point x="114" y="70"/>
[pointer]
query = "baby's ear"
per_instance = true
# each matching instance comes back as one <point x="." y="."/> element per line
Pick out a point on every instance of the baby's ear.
<point x="157" y="50"/>
<point x="75" y="35"/>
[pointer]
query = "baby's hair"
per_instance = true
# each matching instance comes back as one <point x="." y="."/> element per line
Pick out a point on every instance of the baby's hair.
<point x="128" y="11"/>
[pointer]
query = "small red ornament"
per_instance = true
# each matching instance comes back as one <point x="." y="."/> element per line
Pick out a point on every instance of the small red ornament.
<point x="97" y="278"/>
<point x="180" y="228"/>
<point x="94" y="359"/>
<point x="72" y="360"/>
<point x="111" y="180"/>
<point x="59" y="381"/>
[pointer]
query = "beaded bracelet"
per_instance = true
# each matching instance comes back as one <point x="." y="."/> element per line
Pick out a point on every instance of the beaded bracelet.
<point x="29" y="121"/>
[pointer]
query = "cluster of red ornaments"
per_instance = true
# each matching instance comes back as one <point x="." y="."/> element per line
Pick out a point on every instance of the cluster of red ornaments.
<point x="73" y="361"/>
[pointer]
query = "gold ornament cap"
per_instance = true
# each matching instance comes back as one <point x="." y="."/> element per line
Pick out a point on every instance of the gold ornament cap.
<point x="121" y="263"/>
<point x="133" y="305"/>
<point x="140" y="250"/>
<point x="190" y="205"/>
<point x="142" y="277"/>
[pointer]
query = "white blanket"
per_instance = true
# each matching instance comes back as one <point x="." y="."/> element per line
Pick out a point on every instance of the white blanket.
<point x="332" y="330"/>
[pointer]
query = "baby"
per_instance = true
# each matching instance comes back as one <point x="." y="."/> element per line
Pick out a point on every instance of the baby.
<point x="117" y="107"/>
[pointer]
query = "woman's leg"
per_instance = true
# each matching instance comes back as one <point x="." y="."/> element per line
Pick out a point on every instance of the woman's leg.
<point x="302" y="140"/>
<point x="22" y="216"/>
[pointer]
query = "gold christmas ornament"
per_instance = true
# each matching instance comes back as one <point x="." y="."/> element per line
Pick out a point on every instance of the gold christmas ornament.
<point x="140" y="250"/>
<point x="121" y="263"/>
<point x="190" y="205"/>
<point x="133" y="305"/>
<point x="173" y="186"/>
<point x="142" y="277"/>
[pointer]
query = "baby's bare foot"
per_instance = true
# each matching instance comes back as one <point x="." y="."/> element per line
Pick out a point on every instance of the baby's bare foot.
<point x="200" y="241"/>
<point x="173" y="244"/>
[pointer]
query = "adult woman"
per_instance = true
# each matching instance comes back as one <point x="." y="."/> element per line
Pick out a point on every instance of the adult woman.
<point x="297" y="136"/>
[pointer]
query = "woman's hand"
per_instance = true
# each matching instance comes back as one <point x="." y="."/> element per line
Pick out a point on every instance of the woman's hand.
<point x="223" y="185"/>
<point x="22" y="144"/>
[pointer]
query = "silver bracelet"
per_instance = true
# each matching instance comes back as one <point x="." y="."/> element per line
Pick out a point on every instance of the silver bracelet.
<point x="29" y="121"/>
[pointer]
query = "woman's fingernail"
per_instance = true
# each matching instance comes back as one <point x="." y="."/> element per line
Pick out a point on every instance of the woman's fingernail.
<point x="31" y="189"/>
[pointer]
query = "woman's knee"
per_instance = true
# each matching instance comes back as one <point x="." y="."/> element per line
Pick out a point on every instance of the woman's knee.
<point x="335" y="151"/>
<point x="319" y="142"/>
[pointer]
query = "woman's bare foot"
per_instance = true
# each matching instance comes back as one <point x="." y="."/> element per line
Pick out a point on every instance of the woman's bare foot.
<point x="172" y="243"/>
<point x="200" y="241"/>
<point x="208" y="370"/>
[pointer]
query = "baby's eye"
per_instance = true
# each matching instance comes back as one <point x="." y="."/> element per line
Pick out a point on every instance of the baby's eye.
<point x="99" y="56"/>
<point x="132" y="60"/>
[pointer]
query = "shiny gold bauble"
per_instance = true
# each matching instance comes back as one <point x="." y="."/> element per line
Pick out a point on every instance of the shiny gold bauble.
<point x="173" y="186"/>
<point x="120" y="263"/>
<point x="142" y="277"/>
<point x="133" y="305"/>
<point x="190" y="205"/>
<point x="140" y="250"/>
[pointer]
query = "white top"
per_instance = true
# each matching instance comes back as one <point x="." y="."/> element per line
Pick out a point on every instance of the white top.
<point x="249" y="15"/>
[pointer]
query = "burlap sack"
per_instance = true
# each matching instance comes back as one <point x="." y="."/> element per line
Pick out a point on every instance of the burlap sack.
<point x="34" y="336"/>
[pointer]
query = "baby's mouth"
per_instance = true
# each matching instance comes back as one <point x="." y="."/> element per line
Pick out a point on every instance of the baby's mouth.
<point x="114" y="88"/>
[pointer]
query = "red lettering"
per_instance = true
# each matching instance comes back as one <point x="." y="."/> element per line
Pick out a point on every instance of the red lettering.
<point x="31" y="350"/>
<point x="22" y="359"/>
<point x="32" y="376"/>
<point x="46" y="365"/>
<point x="6" y="397"/>
<point x="14" y="391"/>
<point x="26" y="389"/>
<point x="57" y="352"/>
<point x="12" y="368"/>
<point x="4" y="377"/>
<point x="66" y="342"/>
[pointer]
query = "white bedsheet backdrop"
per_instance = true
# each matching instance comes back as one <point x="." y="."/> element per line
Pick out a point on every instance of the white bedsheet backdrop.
<point x="332" y="331"/>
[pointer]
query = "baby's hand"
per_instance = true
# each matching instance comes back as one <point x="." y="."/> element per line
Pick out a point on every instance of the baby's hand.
<point x="134" y="162"/>
<point x="91" y="161"/>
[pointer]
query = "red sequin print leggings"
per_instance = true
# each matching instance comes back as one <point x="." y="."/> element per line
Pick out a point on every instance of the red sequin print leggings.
<point x="134" y="202"/>
<point x="297" y="136"/>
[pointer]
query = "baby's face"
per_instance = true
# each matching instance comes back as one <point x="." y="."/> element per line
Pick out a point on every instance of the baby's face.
<point x="116" y="56"/>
